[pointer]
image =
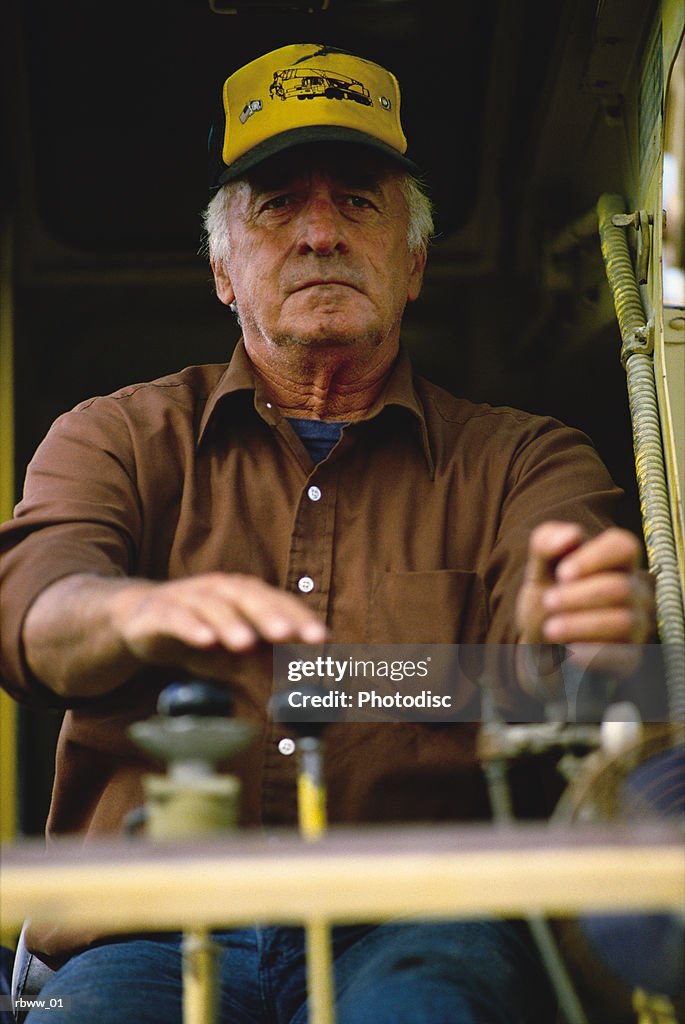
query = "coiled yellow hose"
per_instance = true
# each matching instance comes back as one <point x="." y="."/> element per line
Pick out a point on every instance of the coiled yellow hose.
<point x="637" y="359"/>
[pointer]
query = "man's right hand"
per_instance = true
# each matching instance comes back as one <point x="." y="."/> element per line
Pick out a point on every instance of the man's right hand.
<point x="85" y="635"/>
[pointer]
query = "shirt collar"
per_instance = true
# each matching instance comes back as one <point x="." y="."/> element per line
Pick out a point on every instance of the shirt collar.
<point x="239" y="376"/>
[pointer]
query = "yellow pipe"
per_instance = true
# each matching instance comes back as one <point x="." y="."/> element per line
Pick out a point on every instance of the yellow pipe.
<point x="8" y="712"/>
<point x="320" y="975"/>
<point x="311" y="800"/>
<point x="200" y="991"/>
<point x="653" y="1009"/>
<point x="6" y="375"/>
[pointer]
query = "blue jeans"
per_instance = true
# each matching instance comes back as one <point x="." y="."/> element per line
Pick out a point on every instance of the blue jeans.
<point x="465" y="972"/>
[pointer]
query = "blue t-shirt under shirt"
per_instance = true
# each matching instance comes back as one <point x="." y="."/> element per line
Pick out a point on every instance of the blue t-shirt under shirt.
<point x="317" y="436"/>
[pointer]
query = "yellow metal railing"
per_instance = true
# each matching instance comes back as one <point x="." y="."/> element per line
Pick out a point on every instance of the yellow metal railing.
<point x="349" y="875"/>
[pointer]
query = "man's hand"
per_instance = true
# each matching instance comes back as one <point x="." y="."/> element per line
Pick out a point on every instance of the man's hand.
<point x="85" y="635"/>
<point x="209" y="614"/>
<point x="587" y="594"/>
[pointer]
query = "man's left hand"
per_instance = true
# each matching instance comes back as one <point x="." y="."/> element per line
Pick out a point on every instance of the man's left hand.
<point x="588" y="594"/>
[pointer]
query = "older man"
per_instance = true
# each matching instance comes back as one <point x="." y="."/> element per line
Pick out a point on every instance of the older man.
<point x="313" y="489"/>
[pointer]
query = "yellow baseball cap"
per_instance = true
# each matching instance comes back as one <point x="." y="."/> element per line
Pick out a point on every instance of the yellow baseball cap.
<point x="305" y="92"/>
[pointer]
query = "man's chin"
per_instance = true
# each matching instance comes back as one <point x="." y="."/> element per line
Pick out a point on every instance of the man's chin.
<point x="328" y="336"/>
<point x="329" y="340"/>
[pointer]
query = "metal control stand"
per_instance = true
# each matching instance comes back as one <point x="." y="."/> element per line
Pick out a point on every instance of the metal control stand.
<point x="311" y="802"/>
<point x="192" y="732"/>
<point x="574" y="737"/>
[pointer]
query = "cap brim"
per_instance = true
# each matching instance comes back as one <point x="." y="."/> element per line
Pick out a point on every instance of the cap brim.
<point x="302" y="136"/>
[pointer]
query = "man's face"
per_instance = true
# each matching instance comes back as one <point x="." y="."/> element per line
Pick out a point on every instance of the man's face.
<point x="318" y="251"/>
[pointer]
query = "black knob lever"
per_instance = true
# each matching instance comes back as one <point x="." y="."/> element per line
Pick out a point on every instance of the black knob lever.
<point x="195" y="697"/>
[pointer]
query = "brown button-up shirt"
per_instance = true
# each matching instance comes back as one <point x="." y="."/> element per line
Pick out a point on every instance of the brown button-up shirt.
<point x="417" y="533"/>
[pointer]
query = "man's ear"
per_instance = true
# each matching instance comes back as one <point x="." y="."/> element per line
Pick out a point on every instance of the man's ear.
<point x="416" y="274"/>
<point x="222" y="283"/>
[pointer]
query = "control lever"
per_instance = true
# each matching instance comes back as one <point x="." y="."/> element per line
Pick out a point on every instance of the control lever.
<point x="311" y="803"/>
<point x="193" y="732"/>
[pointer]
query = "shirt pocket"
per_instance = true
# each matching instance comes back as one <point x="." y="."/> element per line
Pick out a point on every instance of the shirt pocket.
<point x="441" y="606"/>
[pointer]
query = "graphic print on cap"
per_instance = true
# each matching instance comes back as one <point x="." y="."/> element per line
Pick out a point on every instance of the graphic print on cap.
<point x="310" y="83"/>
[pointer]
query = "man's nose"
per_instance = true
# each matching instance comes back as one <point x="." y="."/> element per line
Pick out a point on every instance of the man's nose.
<point x="322" y="227"/>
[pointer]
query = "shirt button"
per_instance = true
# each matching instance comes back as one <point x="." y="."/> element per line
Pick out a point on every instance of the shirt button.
<point x="314" y="493"/>
<point x="286" y="746"/>
<point x="305" y="584"/>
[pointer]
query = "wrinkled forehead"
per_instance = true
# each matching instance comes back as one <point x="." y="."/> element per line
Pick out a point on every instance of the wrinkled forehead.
<point x="348" y="164"/>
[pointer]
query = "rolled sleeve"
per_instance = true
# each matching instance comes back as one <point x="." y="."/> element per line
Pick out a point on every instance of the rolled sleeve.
<point x="554" y="474"/>
<point x="80" y="513"/>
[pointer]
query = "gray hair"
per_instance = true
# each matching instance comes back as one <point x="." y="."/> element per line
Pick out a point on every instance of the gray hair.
<point x="420" y="228"/>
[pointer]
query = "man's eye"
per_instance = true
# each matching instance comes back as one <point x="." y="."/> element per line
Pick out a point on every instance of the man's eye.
<point x="276" y="202"/>
<point x="360" y="202"/>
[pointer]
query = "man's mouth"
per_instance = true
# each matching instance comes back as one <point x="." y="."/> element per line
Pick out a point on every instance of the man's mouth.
<point x="324" y="282"/>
